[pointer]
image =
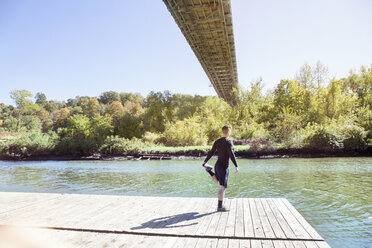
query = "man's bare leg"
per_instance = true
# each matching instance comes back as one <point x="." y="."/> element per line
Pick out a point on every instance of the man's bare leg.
<point x="221" y="193"/>
<point x="212" y="175"/>
<point x="215" y="179"/>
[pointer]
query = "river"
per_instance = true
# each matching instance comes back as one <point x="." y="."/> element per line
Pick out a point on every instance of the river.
<point x="333" y="194"/>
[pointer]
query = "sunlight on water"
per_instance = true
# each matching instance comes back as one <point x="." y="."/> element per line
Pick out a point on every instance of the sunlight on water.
<point x="333" y="194"/>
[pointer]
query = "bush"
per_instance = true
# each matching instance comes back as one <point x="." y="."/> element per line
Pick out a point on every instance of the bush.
<point x="250" y="131"/>
<point x="319" y="136"/>
<point x="354" y="137"/>
<point x="188" y="132"/>
<point x="119" y="145"/>
<point x="130" y="126"/>
<point x="75" y="146"/>
<point x="151" y="137"/>
<point x="29" y="144"/>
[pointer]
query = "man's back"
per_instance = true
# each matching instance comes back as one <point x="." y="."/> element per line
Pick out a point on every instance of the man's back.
<point x="225" y="150"/>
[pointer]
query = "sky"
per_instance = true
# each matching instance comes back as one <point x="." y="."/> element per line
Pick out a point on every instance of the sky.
<point x="82" y="48"/>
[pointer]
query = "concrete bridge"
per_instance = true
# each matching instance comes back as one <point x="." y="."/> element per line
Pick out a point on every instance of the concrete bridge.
<point x="207" y="26"/>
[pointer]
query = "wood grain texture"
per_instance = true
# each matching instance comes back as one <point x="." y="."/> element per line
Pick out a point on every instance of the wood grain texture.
<point x="82" y="220"/>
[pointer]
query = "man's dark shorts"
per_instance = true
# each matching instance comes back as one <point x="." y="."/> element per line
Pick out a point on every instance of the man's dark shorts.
<point x="222" y="174"/>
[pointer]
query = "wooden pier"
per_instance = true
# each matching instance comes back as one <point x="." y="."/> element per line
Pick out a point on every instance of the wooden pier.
<point x="82" y="220"/>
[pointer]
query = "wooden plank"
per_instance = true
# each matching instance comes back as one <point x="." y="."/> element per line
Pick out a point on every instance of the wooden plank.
<point x="310" y="244"/>
<point x="230" y="225"/>
<point x="202" y="243"/>
<point x="299" y="244"/>
<point x="189" y="227"/>
<point x="203" y="226"/>
<point x="79" y="212"/>
<point x="267" y="244"/>
<point x="239" y="220"/>
<point x="191" y="210"/>
<point x="138" y="216"/>
<point x="208" y="207"/>
<point x="104" y="215"/>
<point x="162" y="213"/>
<point x="281" y="219"/>
<point x="245" y="243"/>
<point x="196" y="215"/>
<point x="36" y="214"/>
<point x="10" y="201"/>
<point x="272" y="219"/>
<point x="248" y="223"/>
<point x="214" y="221"/>
<point x="185" y="242"/>
<point x="222" y="223"/>
<point x="223" y="243"/>
<point x="289" y="244"/>
<point x="233" y="243"/>
<point x="257" y="226"/>
<point x="297" y="228"/>
<point x="302" y="220"/>
<point x="279" y="244"/>
<point x="156" y="242"/>
<point x="268" y="231"/>
<point x="212" y="243"/>
<point x="322" y="244"/>
<point x="255" y="243"/>
<point x="24" y="208"/>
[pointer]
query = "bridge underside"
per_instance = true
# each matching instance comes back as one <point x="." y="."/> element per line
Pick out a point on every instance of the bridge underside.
<point x="207" y="26"/>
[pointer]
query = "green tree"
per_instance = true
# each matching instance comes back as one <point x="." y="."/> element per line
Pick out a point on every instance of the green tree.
<point x="40" y="98"/>
<point x="61" y="118"/>
<point x="130" y="126"/>
<point x="93" y="107"/>
<point x="21" y="97"/>
<point x="108" y="97"/>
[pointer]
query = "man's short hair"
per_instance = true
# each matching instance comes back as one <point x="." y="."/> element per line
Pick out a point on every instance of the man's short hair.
<point x="226" y="128"/>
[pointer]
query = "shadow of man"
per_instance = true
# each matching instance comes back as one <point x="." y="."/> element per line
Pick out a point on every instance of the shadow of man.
<point x="170" y="221"/>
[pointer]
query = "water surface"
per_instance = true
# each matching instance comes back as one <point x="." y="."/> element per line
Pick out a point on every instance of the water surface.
<point x="333" y="194"/>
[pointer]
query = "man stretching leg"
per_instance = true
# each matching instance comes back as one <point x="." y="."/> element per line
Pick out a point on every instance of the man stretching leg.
<point x="225" y="150"/>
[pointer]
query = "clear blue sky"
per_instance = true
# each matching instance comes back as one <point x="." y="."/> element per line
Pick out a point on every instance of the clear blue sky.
<point x="85" y="47"/>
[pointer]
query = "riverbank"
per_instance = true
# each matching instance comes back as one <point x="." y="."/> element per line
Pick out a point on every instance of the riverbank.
<point x="197" y="152"/>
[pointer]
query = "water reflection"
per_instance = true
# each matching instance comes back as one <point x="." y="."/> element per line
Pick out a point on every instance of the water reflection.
<point x="333" y="194"/>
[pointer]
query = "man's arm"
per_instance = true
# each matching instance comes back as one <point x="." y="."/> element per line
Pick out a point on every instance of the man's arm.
<point x="230" y="150"/>
<point x="210" y="153"/>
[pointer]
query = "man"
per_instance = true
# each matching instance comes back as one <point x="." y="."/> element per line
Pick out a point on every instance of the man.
<point x="225" y="151"/>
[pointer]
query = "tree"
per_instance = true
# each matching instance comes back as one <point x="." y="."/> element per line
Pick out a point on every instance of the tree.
<point x="312" y="78"/>
<point x="185" y="133"/>
<point x="101" y="127"/>
<point x="125" y="97"/>
<point x="130" y="126"/>
<point x="154" y="117"/>
<point x="21" y="97"/>
<point x="305" y="77"/>
<point x="40" y="98"/>
<point x="92" y="108"/>
<point x="108" y="97"/>
<point x="61" y="118"/>
<point x="116" y="109"/>
<point x="78" y="127"/>
<point x="213" y="114"/>
<point x="133" y="108"/>
<point x="320" y="74"/>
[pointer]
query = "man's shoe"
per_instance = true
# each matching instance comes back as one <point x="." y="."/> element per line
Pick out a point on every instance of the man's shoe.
<point x="223" y="209"/>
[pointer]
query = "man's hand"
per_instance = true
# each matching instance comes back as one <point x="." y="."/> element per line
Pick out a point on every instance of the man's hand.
<point x="236" y="170"/>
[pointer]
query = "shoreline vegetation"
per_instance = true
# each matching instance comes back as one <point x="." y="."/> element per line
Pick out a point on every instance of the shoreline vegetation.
<point x="310" y="115"/>
<point x="196" y="153"/>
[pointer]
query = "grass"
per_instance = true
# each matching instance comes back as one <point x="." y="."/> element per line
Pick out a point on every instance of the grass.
<point x="190" y="148"/>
